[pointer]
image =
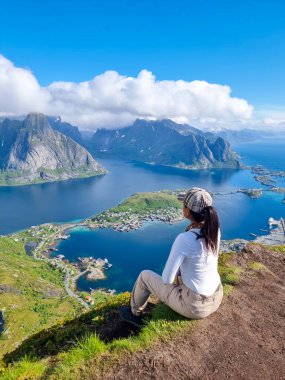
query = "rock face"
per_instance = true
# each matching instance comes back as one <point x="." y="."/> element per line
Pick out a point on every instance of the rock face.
<point x="166" y="143"/>
<point x="32" y="151"/>
<point x="65" y="128"/>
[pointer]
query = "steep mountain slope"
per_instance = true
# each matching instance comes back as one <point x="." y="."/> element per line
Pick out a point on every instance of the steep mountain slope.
<point x="166" y="143"/>
<point x="32" y="151"/>
<point x="65" y="128"/>
<point x="245" y="337"/>
<point x="32" y="295"/>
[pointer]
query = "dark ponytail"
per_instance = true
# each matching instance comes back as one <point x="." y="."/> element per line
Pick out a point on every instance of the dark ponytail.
<point x="210" y="228"/>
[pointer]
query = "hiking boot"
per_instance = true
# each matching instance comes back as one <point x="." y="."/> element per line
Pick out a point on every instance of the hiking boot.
<point x="154" y="300"/>
<point x="127" y="316"/>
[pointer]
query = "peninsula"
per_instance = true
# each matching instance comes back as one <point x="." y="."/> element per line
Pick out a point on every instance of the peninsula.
<point x="47" y="291"/>
<point x="161" y="206"/>
<point x="266" y="177"/>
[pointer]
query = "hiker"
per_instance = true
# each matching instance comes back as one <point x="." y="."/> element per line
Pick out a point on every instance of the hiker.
<point x="190" y="283"/>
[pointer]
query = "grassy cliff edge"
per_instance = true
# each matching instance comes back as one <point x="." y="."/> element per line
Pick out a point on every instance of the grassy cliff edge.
<point x="46" y="334"/>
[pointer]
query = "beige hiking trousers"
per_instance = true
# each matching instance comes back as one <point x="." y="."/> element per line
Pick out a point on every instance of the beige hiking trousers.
<point x="178" y="297"/>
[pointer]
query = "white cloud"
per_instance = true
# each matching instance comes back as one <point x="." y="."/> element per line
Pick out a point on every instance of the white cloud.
<point x="20" y="91"/>
<point x="111" y="100"/>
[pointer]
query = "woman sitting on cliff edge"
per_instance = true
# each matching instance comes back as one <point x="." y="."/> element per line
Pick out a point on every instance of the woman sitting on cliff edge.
<point x="190" y="283"/>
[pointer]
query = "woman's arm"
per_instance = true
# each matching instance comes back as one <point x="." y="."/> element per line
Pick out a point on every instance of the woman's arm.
<point x="175" y="259"/>
<point x="219" y="241"/>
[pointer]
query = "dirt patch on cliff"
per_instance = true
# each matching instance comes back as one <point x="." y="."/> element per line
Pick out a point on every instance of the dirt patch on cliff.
<point x="244" y="339"/>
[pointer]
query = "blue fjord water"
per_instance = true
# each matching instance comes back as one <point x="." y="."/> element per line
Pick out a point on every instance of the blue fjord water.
<point x="21" y="207"/>
<point x="148" y="248"/>
<point x="269" y="153"/>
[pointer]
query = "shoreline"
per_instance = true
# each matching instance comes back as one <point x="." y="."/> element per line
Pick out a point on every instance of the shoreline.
<point x="48" y="236"/>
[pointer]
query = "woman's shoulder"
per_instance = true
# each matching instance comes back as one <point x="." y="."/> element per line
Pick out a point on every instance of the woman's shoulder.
<point x="190" y="235"/>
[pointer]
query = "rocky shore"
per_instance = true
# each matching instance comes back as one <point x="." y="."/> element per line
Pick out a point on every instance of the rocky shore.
<point x="266" y="177"/>
<point x="275" y="236"/>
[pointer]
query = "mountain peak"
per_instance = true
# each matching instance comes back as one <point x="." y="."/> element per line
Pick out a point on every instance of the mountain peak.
<point x="35" y="152"/>
<point x="36" y="121"/>
<point x="164" y="142"/>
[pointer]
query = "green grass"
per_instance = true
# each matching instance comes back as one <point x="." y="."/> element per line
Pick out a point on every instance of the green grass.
<point x="256" y="266"/>
<point x="149" y="201"/>
<point x="144" y="203"/>
<point x="63" y="342"/>
<point x="85" y="350"/>
<point x="32" y="295"/>
<point x="93" y="352"/>
<point x="8" y="177"/>
<point x="230" y="274"/>
<point x="25" y="369"/>
<point x="87" y="353"/>
<point x="11" y="178"/>
<point x="278" y="248"/>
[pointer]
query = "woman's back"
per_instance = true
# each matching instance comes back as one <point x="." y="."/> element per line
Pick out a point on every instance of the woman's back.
<point x="194" y="258"/>
<point x="198" y="265"/>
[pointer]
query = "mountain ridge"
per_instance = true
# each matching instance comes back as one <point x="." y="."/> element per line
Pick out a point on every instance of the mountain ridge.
<point x="32" y="151"/>
<point x="165" y="142"/>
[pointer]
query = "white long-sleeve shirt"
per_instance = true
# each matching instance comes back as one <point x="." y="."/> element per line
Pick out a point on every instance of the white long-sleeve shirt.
<point x="198" y="265"/>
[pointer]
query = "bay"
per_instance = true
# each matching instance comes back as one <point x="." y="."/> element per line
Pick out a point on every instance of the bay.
<point x="129" y="253"/>
<point x="148" y="248"/>
<point x="24" y="206"/>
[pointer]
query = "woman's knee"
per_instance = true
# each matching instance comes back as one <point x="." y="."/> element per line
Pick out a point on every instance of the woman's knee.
<point x="145" y="274"/>
<point x="149" y="279"/>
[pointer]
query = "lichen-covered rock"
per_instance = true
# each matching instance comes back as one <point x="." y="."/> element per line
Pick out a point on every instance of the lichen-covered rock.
<point x="5" y="288"/>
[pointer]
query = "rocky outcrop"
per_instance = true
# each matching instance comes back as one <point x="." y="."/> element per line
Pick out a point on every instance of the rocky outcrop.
<point x="65" y="128"/>
<point x="165" y="143"/>
<point x="32" y="151"/>
<point x="6" y="288"/>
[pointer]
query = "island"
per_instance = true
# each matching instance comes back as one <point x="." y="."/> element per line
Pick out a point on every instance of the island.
<point x="252" y="193"/>
<point x="41" y="241"/>
<point x="41" y="283"/>
<point x="264" y="176"/>
<point x="131" y="213"/>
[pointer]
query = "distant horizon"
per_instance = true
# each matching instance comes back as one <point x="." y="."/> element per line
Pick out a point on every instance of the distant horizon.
<point x="22" y="117"/>
<point x="106" y="63"/>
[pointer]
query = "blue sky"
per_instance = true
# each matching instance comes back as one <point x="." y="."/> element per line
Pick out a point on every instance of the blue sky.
<point x="238" y="43"/>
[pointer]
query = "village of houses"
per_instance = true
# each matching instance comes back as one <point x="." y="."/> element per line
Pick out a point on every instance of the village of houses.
<point x="40" y="242"/>
<point x="126" y="221"/>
